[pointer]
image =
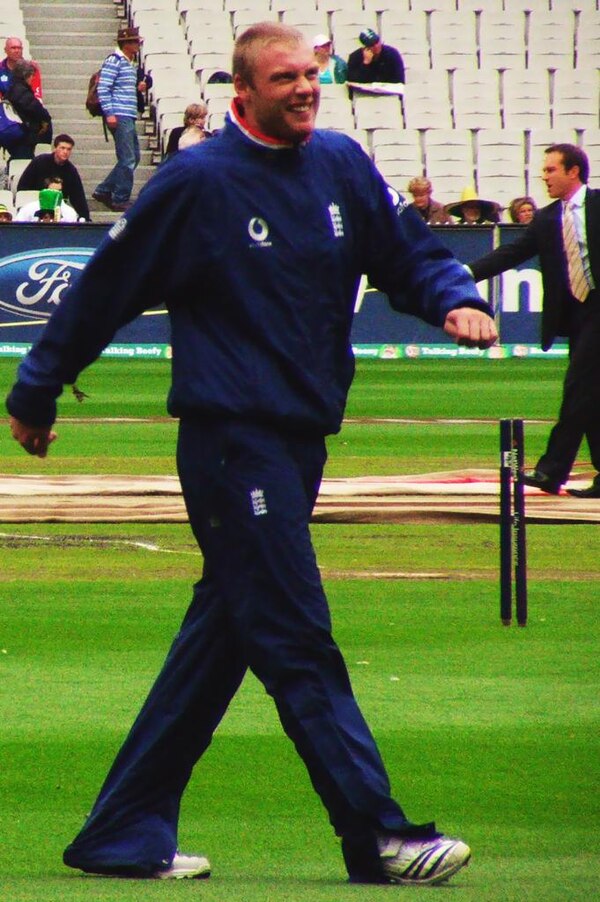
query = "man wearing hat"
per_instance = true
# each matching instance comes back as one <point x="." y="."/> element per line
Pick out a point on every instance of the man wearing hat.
<point x="5" y="214"/>
<point x="118" y="88"/>
<point x="375" y="61"/>
<point x="50" y="202"/>
<point x="332" y="68"/>
<point x="472" y="210"/>
<point x="64" y="212"/>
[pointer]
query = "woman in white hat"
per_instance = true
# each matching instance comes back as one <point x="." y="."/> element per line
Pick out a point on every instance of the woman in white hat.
<point x="332" y="68"/>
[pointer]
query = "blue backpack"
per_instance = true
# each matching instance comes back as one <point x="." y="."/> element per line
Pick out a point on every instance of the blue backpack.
<point x="11" y="126"/>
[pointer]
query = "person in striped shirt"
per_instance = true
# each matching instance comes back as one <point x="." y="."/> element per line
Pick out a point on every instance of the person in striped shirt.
<point x="118" y="87"/>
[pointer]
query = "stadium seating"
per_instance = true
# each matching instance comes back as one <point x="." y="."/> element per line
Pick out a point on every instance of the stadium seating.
<point x="472" y="66"/>
<point x="7" y="199"/>
<point x="399" y="154"/>
<point x="498" y="79"/>
<point x="449" y="160"/>
<point x="501" y="164"/>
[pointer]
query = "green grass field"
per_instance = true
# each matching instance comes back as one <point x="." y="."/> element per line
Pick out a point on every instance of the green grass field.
<point x="491" y="731"/>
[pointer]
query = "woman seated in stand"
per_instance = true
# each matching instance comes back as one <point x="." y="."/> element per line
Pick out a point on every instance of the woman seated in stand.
<point x="191" y="132"/>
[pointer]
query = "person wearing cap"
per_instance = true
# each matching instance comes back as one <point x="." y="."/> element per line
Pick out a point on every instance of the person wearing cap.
<point x="30" y="212"/>
<point x="332" y="69"/>
<point x="118" y="88"/>
<point x="49" y="206"/>
<point x="472" y="210"/>
<point x="430" y="210"/>
<point x="375" y="61"/>
<point x="5" y="214"/>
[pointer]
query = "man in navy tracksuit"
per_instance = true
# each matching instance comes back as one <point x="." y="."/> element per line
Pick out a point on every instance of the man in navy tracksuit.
<point x="256" y="240"/>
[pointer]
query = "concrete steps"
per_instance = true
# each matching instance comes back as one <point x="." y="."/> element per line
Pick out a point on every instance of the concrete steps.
<point x="91" y="53"/>
<point x="69" y="41"/>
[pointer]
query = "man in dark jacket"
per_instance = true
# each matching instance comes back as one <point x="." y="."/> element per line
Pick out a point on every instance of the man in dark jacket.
<point x="13" y="47"/>
<point x="37" y="121"/>
<point x="57" y="163"/>
<point x="571" y="307"/>
<point x="375" y="61"/>
<point x="256" y="240"/>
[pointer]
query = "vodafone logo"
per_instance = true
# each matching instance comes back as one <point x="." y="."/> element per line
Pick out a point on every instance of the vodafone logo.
<point x="259" y="231"/>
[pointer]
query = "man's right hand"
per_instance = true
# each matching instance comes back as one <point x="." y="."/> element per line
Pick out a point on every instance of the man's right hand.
<point x="111" y="122"/>
<point x="35" y="439"/>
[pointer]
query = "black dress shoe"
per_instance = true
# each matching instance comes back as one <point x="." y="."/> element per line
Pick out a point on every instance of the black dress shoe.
<point x="105" y="199"/>
<point x="539" y="480"/>
<point x="592" y="491"/>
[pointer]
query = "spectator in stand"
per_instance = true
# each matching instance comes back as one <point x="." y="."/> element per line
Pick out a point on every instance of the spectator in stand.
<point x="13" y="47"/>
<point x="220" y="77"/>
<point x="332" y="69"/>
<point x="472" y="210"/>
<point x="48" y="206"/>
<point x="522" y="210"/>
<point x="57" y="163"/>
<point x="375" y="61"/>
<point x="30" y="212"/>
<point x="118" y="88"/>
<point x="34" y="115"/>
<point x="5" y="214"/>
<point x="194" y="120"/>
<point x="429" y="209"/>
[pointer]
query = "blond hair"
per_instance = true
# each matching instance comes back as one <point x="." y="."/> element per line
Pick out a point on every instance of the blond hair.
<point x="419" y="184"/>
<point x="193" y="110"/>
<point x="255" y="39"/>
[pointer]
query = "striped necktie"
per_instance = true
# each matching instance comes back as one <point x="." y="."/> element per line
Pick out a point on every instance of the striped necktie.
<point x="578" y="282"/>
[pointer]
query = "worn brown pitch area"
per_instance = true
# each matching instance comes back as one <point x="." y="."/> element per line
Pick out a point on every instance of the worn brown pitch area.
<point x="452" y="496"/>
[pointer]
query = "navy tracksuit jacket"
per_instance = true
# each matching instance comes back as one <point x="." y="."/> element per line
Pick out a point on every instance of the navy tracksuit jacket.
<point x="257" y="250"/>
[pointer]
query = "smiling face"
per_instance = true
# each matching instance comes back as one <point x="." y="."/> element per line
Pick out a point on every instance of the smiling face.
<point x="282" y="98"/>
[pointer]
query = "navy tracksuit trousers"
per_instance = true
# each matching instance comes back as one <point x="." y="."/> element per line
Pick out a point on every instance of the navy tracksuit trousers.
<point x="249" y="492"/>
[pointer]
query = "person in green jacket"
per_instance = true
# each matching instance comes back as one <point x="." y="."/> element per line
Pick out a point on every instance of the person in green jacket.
<point x="332" y="69"/>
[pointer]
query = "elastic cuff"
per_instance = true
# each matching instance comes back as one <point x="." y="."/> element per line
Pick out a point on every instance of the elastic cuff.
<point x="33" y="406"/>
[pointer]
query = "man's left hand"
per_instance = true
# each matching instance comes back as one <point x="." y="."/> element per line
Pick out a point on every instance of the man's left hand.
<point x="470" y="327"/>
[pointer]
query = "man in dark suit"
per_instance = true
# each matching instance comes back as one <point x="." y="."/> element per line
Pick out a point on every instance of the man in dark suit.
<point x="571" y="307"/>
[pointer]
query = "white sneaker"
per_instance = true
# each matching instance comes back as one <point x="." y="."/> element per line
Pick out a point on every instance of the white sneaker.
<point x="421" y="861"/>
<point x="194" y="866"/>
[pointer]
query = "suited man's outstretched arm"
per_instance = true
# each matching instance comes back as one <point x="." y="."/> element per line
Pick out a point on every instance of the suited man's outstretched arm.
<point x="507" y="256"/>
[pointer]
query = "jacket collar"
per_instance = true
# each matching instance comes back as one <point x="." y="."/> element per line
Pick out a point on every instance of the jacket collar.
<point x="237" y="117"/>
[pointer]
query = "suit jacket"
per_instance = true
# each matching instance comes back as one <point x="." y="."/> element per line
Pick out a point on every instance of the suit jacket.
<point x="544" y="237"/>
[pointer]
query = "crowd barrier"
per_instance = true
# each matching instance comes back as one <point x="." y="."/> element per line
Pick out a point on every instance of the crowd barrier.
<point x="38" y="262"/>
